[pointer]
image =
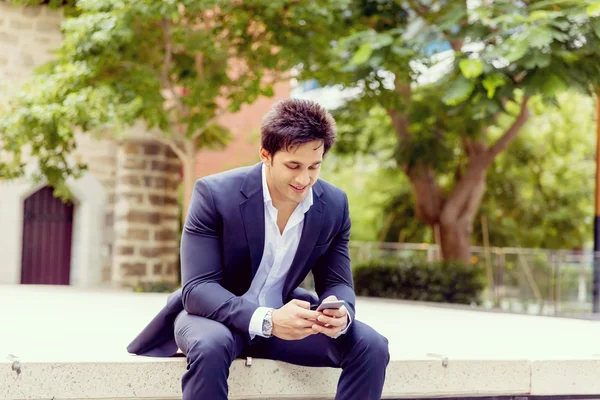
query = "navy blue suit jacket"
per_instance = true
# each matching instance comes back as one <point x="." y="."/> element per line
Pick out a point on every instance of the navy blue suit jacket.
<point x="221" y="249"/>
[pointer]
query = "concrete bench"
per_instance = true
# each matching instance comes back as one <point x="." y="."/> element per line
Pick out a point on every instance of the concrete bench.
<point x="70" y="345"/>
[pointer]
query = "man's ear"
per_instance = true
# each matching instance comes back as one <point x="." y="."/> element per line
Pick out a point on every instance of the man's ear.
<point x="265" y="156"/>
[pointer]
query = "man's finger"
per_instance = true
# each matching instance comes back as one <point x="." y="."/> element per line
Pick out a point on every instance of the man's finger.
<point x="301" y="303"/>
<point x="342" y="312"/>
<point x="308" y="314"/>
<point x="329" y="298"/>
<point x="302" y="323"/>
<point x="331" y="332"/>
<point x="332" y="321"/>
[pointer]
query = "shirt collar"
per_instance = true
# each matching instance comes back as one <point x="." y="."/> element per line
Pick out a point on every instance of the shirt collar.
<point x="305" y="204"/>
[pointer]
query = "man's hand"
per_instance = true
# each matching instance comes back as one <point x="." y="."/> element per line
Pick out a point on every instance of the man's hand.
<point x="336" y="320"/>
<point x="294" y="321"/>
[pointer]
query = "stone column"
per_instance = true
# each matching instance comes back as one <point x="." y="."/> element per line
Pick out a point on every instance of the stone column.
<point x="101" y="159"/>
<point x="146" y="214"/>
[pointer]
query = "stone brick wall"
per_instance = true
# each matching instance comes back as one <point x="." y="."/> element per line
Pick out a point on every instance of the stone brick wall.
<point x="28" y="37"/>
<point x="146" y="214"/>
<point x="101" y="159"/>
<point x="140" y="234"/>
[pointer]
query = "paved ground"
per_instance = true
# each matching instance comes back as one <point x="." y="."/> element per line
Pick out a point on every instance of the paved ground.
<point x="71" y="345"/>
<point x="58" y="324"/>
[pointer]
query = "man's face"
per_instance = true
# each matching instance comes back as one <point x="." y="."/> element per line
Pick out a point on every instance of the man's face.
<point x="291" y="173"/>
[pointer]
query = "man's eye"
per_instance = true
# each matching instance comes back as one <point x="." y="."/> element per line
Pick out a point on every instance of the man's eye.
<point x="315" y="166"/>
<point x="294" y="167"/>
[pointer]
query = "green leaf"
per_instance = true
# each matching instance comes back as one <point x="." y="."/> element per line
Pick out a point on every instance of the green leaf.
<point x="593" y="10"/>
<point x="568" y="56"/>
<point x="560" y="36"/>
<point x="402" y="51"/>
<point x="538" y="60"/>
<point x="539" y="37"/>
<point x="471" y="69"/>
<point x="517" y="49"/>
<point x="554" y="85"/>
<point x="491" y="83"/>
<point x="538" y="15"/>
<point x="362" y="54"/>
<point x="459" y="91"/>
<point x="453" y="17"/>
<point x="382" y="40"/>
<point x="596" y="26"/>
<point x="561" y="24"/>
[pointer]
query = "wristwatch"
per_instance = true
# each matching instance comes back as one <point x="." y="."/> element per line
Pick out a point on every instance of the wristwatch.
<point x="267" y="326"/>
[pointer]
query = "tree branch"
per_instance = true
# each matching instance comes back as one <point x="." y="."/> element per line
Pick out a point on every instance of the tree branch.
<point x="279" y="78"/>
<point x="456" y="44"/>
<point x="467" y="216"/>
<point x="180" y="153"/>
<point x="420" y="9"/>
<point x="214" y="119"/>
<point x="429" y="198"/>
<point x="459" y="199"/>
<point x="511" y="132"/>
<point x="166" y="25"/>
<point x="200" y="66"/>
<point x="400" y="120"/>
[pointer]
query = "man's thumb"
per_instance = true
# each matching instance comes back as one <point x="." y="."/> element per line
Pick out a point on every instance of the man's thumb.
<point x="301" y="303"/>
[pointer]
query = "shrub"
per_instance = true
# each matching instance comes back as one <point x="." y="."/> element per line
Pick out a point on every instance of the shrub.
<point x="156" y="287"/>
<point x="412" y="279"/>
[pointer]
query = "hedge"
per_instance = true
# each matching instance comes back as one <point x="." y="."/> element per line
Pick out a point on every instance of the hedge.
<point x="413" y="279"/>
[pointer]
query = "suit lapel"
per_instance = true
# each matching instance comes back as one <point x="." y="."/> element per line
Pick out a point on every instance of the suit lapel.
<point x="253" y="215"/>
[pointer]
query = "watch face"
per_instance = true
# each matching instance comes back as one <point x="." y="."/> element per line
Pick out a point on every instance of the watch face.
<point x="267" y="326"/>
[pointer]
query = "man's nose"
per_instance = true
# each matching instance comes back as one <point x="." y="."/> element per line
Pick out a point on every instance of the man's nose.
<point x="303" y="179"/>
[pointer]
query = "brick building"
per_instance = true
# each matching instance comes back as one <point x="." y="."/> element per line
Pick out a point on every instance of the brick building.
<point x="123" y="225"/>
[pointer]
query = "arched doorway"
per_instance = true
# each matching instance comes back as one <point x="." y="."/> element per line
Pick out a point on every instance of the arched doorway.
<point x="47" y="231"/>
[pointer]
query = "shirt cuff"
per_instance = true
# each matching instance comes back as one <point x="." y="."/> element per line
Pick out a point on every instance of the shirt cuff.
<point x="346" y="328"/>
<point x="256" y="322"/>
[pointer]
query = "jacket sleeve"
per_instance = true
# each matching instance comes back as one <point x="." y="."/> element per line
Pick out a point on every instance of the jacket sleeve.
<point x="202" y="266"/>
<point x="333" y="270"/>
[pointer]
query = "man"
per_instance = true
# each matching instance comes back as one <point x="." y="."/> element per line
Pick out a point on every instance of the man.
<point x="250" y="238"/>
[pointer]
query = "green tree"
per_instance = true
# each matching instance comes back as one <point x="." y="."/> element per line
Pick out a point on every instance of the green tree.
<point x="540" y="190"/>
<point x="441" y="110"/>
<point x="177" y="66"/>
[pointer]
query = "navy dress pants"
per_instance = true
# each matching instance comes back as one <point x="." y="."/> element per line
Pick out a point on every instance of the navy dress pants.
<point x="211" y="347"/>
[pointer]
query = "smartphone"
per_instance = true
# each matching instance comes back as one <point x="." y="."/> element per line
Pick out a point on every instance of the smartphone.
<point x="328" y="305"/>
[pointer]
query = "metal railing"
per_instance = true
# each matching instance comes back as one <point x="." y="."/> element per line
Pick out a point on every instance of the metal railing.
<point x="534" y="281"/>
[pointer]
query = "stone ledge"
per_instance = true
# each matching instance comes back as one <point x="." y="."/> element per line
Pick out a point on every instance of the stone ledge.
<point x="144" y="378"/>
<point x="71" y="345"/>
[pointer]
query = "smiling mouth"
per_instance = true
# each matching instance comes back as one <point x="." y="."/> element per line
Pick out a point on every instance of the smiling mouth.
<point x="298" y="189"/>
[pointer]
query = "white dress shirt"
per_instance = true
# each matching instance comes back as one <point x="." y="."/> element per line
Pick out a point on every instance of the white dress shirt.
<point x="266" y="288"/>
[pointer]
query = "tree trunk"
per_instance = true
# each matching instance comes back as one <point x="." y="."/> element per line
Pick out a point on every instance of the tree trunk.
<point x="455" y="241"/>
<point x="455" y="212"/>
<point x="189" y="179"/>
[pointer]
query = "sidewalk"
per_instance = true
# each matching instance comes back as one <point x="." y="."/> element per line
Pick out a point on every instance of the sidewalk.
<point x="71" y="344"/>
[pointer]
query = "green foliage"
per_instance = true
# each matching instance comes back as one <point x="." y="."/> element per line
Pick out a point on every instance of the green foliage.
<point x="545" y="181"/>
<point x="504" y="50"/>
<point x="413" y="279"/>
<point x="172" y="65"/>
<point x="156" y="287"/>
<point x="369" y="189"/>
<point x="497" y="53"/>
<point x="68" y="6"/>
<point x="540" y="190"/>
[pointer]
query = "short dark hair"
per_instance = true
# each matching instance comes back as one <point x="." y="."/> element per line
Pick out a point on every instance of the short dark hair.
<point x="292" y="122"/>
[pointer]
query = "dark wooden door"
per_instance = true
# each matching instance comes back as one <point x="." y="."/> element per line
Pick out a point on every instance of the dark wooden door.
<point x="47" y="229"/>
